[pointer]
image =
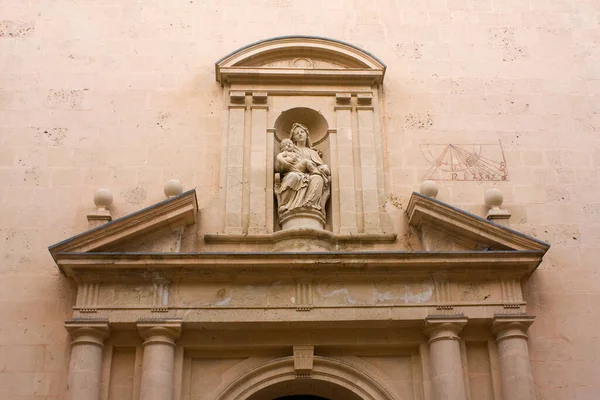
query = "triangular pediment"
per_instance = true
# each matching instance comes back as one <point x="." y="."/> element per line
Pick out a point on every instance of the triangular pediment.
<point x="134" y="230"/>
<point x="441" y="222"/>
<point x="300" y="59"/>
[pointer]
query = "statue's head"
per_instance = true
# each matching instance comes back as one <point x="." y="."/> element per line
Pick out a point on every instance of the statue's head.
<point x="299" y="133"/>
<point x="286" y="145"/>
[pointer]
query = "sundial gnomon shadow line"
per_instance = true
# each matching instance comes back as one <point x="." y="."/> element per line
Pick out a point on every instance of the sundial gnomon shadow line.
<point x="465" y="162"/>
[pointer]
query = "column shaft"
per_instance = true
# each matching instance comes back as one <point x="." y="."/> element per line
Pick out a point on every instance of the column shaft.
<point x="159" y="360"/>
<point x="445" y="361"/>
<point x="513" y="353"/>
<point x="85" y="367"/>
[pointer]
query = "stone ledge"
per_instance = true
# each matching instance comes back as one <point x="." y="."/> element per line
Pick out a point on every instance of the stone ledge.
<point x="300" y="233"/>
<point x="229" y="265"/>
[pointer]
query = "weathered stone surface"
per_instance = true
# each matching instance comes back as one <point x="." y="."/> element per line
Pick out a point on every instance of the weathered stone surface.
<point x="123" y="96"/>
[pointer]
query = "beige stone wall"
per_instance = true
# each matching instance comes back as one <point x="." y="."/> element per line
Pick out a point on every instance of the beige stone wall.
<point x="122" y="94"/>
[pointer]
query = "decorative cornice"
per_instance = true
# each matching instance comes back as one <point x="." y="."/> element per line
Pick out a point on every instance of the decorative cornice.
<point x="514" y="264"/>
<point x="361" y="67"/>
<point x="174" y="212"/>
<point x="423" y="210"/>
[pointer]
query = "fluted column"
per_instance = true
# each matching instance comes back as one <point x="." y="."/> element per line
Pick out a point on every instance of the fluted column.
<point x="513" y="352"/>
<point x="85" y="368"/>
<point x="159" y="358"/>
<point x="445" y="360"/>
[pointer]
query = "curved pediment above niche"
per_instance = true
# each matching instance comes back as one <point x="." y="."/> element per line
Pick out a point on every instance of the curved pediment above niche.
<point x="301" y="63"/>
<point x="300" y="59"/>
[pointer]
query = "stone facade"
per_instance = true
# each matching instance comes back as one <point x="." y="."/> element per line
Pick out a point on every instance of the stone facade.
<point x="400" y="296"/>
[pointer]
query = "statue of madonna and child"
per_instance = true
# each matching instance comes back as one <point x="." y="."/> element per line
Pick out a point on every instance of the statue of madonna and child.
<point x="302" y="181"/>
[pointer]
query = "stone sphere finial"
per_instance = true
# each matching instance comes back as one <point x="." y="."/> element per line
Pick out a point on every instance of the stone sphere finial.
<point x="429" y="188"/>
<point x="493" y="198"/>
<point x="173" y="188"/>
<point x="103" y="198"/>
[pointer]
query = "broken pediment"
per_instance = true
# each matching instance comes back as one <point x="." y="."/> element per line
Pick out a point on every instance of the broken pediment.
<point x="300" y="59"/>
<point x="141" y="229"/>
<point x="148" y="239"/>
<point x="443" y="227"/>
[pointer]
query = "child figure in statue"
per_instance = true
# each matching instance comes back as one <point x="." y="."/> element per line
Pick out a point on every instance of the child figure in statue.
<point x="289" y="160"/>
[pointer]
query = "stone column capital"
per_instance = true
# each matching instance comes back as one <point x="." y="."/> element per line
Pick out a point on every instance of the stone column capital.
<point x="444" y="328"/>
<point x="159" y="331"/>
<point x="511" y="326"/>
<point x="88" y="331"/>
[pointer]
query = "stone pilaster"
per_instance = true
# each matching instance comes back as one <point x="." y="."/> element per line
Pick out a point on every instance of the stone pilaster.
<point x="445" y="358"/>
<point x="368" y="168"/>
<point x="85" y="368"/>
<point x="233" y="174"/>
<point x="257" y="210"/>
<point x="159" y="358"/>
<point x="345" y="185"/>
<point x="513" y="352"/>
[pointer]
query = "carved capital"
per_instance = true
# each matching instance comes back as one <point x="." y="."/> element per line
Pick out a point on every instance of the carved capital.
<point x="237" y="97"/>
<point x="259" y="97"/>
<point x="159" y="331"/>
<point x="343" y="98"/>
<point x="88" y="331"/>
<point x="511" y="326"/>
<point x="444" y="328"/>
<point x="364" y="98"/>
<point x="303" y="360"/>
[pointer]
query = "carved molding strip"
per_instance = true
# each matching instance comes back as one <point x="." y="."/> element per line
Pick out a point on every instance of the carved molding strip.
<point x="87" y="297"/>
<point x="160" y="298"/>
<point x="511" y="293"/>
<point x="304" y="296"/>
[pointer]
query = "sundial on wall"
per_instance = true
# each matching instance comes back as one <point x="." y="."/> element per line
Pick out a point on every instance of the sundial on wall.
<point x="465" y="162"/>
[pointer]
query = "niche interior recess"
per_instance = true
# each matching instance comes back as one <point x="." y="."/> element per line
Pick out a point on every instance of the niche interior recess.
<point x="331" y="87"/>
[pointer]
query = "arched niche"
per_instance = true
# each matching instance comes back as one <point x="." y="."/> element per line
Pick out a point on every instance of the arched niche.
<point x="330" y="378"/>
<point x="330" y="86"/>
<point x="314" y="121"/>
<point x="318" y="128"/>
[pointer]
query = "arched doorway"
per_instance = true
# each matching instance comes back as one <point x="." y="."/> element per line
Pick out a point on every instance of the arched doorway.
<point x="305" y="389"/>
<point x="330" y="379"/>
<point x="301" y="397"/>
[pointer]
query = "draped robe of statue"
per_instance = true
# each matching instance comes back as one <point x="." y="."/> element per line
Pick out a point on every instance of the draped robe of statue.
<point x="301" y="189"/>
